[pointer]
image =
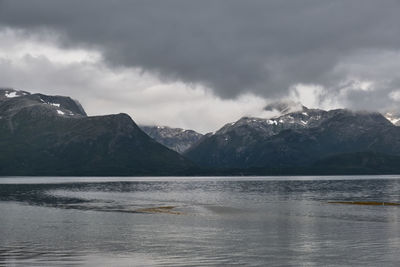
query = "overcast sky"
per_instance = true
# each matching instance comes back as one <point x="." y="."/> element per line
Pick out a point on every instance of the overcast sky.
<point x="201" y="64"/>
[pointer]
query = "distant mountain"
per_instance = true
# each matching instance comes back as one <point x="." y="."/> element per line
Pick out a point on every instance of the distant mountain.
<point x="296" y="140"/>
<point x="174" y="138"/>
<point x="51" y="135"/>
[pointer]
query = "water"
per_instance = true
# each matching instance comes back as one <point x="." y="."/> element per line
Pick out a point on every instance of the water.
<point x="257" y="221"/>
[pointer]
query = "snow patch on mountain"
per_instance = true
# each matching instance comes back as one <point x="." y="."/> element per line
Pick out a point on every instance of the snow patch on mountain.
<point x="6" y="93"/>
<point x="393" y="117"/>
<point x="11" y="95"/>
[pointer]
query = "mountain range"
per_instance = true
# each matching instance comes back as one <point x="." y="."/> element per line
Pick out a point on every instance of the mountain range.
<point x="53" y="135"/>
<point x="307" y="140"/>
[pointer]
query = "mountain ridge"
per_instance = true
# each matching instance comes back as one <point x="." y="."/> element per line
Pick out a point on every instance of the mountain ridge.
<point x="296" y="139"/>
<point x="38" y="137"/>
<point x="52" y="135"/>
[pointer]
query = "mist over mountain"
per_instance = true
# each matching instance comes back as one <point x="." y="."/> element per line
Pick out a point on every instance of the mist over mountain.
<point x="284" y="106"/>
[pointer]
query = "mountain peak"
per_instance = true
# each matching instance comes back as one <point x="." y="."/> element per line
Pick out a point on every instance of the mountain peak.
<point x="14" y="100"/>
<point x="7" y="93"/>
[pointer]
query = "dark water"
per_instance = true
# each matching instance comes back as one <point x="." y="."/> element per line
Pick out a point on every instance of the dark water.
<point x="260" y="221"/>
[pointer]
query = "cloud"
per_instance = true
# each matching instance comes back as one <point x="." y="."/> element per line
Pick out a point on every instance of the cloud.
<point x="232" y="47"/>
<point x="38" y="66"/>
<point x="328" y="54"/>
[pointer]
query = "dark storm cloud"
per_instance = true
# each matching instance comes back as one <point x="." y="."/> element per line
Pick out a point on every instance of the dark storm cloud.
<point x="232" y="47"/>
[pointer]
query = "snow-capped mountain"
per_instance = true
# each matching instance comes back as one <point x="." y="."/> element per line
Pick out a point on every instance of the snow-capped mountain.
<point x="268" y="127"/>
<point x="174" y="138"/>
<point x="296" y="139"/>
<point x="57" y="105"/>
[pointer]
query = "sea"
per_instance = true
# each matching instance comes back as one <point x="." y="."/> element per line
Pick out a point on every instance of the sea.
<point x="200" y="221"/>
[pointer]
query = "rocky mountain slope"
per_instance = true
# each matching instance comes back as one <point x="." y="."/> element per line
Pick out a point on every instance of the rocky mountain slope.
<point x="174" y="138"/>
<point x="296" y="139"/>
<point x="51" y="135"/>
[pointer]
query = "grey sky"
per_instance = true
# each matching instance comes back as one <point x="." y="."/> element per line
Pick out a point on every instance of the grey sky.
<point x="349" y="48"/>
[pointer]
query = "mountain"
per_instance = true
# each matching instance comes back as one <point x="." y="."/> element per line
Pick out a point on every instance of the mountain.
<point x="296" y="140"/>
<point x="174" y="138"/>
<point x="52" y="135"/>
<point x="236" y="143"/>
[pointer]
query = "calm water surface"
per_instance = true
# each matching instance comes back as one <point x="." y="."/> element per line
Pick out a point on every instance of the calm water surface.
<point x="256" y="221"/>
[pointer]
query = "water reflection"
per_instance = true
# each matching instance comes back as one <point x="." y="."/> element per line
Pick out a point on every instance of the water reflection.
<point x="35" y="255"/>
<point x="214" y="222"/>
